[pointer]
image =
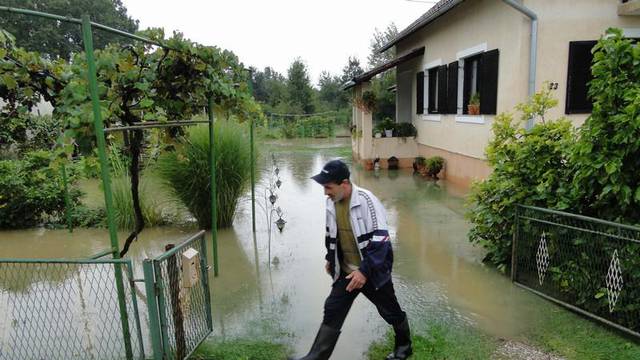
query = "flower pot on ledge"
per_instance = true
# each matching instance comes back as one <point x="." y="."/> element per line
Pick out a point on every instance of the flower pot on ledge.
<point x="473" y="109"/>
<point x="388" y="133"/>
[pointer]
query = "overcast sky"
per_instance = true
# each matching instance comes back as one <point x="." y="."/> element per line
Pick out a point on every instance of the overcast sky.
<point x="324" y="33"/>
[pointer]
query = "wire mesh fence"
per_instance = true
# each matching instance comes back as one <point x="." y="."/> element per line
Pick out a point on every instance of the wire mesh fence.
<point x="589" y="265"/>
<point x="183" y="297"/>
<point x="67" y="309"/>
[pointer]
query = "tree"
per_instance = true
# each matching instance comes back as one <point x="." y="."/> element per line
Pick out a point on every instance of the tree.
<point x="138" y="83"/>
<point x="378" y="41"/>
<point x="269" y="86"/>
<point x="299" y="90"/>
<point x="58" y="39"/>
<point x="330" y="91"/>
<point x="351" y="70"/>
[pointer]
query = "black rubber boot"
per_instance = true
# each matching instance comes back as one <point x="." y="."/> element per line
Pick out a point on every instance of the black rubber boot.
<point x="323" y="344"/>
<point x="402" y="349"/>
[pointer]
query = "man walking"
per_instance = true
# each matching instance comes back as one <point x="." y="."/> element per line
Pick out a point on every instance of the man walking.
<point x="359" y="258"/>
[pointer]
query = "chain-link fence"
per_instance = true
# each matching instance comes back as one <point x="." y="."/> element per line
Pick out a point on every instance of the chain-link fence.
<point x="183" y="301"/>
<point x="589" y="265"/>
<point x="67" y="309"/>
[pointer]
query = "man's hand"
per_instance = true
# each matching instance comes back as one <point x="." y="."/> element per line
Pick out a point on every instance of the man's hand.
<point x="357" y="280"/>
<point x="327" y="268"/>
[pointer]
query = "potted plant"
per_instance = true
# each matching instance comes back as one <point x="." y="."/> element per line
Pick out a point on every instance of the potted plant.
<point x="366" y="102"/>
<point x="387" y="125"/>
<point x="405" y="130"/>
<point x="419" y="165"/>
<point x="434" y="165"/>
<point x="368" y="164"/>
<point x="474" y="104"/>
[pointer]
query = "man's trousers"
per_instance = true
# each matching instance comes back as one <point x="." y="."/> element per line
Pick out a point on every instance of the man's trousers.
<point x="339" y="302"/>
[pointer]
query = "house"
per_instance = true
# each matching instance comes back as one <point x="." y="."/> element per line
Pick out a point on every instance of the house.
<point x="504" y="50"/>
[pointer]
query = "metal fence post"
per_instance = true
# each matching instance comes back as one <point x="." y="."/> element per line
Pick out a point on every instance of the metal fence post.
<point x="205" y="280"/>
<point x="514" y="244"/>
<point x="152" y="305"/>
<point x="214" y="193"/>
<point x="104" y="165"/>
<point x="253" y="178"/>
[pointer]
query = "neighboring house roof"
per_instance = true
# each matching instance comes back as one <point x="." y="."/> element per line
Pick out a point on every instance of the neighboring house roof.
<point x="437" y="10"/>
<point x="384" y="67"/>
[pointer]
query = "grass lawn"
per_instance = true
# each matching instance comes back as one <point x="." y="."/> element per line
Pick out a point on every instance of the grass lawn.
<point x="241" y="350"/>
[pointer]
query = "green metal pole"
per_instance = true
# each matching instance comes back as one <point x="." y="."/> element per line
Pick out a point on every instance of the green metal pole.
<point x="106" y="183"/>
<point x="152" y="305"/>
<point x="205" y="280"/>
<point x="212" y="166"/>
<point x="67" y="198"/>
<point x="253" y="179"/>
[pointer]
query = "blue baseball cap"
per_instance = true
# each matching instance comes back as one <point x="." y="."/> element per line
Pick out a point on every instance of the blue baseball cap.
<point x="333" y="171"/>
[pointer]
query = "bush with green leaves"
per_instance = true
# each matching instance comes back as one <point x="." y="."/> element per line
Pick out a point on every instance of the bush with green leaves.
<point x="315" y="126"/>
<point x="606" y="158"/>
<point x="529" y="167"/>
<point x="434" y="165"/>
<point x="406" y="129"/>
<point x="592" y="172"/>
<point x="186" y="170"/>
<point x="32" y="188"/>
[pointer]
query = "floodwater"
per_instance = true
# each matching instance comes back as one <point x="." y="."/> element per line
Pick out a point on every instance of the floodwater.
<point x="438" y="274"/>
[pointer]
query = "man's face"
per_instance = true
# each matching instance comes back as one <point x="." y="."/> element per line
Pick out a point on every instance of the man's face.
<point x="336" y="192"/>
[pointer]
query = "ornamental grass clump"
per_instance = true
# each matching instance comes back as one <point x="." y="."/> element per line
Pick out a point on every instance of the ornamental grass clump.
<point x="186" y="171"/>
<point x="123" y="200"/>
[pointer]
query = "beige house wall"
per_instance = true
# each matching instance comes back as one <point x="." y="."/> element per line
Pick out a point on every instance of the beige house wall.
<point x="493" y="24"/>
<point x="561" y="22"/>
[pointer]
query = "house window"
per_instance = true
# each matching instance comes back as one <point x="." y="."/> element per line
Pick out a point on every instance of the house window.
<point x="578" y="77"/>
<point x="479" y="76"/>
<point x="436" y="82"/>
<point x="420" y="92"/>
<point x="433" y="91"/>
<point x="471" y="85"/>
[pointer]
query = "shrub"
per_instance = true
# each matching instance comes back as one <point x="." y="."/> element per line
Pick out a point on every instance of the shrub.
<point x="606" y="158"/>
<point x="406" y="130"/>
<point x="186" y="171"/>
<point x="30" y="189"/>
<point x="434" y="165"/>
<point x="529" y="167"/>
<point x="315" y="126"/>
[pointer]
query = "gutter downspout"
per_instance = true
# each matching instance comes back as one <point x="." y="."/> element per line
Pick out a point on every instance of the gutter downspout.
<point x="533" y="50"/>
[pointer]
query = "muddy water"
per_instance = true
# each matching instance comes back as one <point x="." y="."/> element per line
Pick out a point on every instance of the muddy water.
<point x="437" y="273"/>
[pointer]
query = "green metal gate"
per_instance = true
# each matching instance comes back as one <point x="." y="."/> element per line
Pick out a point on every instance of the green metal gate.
<point x="588" y="265"/>
<point x="67" y="309"/>
<point x="72" y="309"/>
<point x="178" y="299"/>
